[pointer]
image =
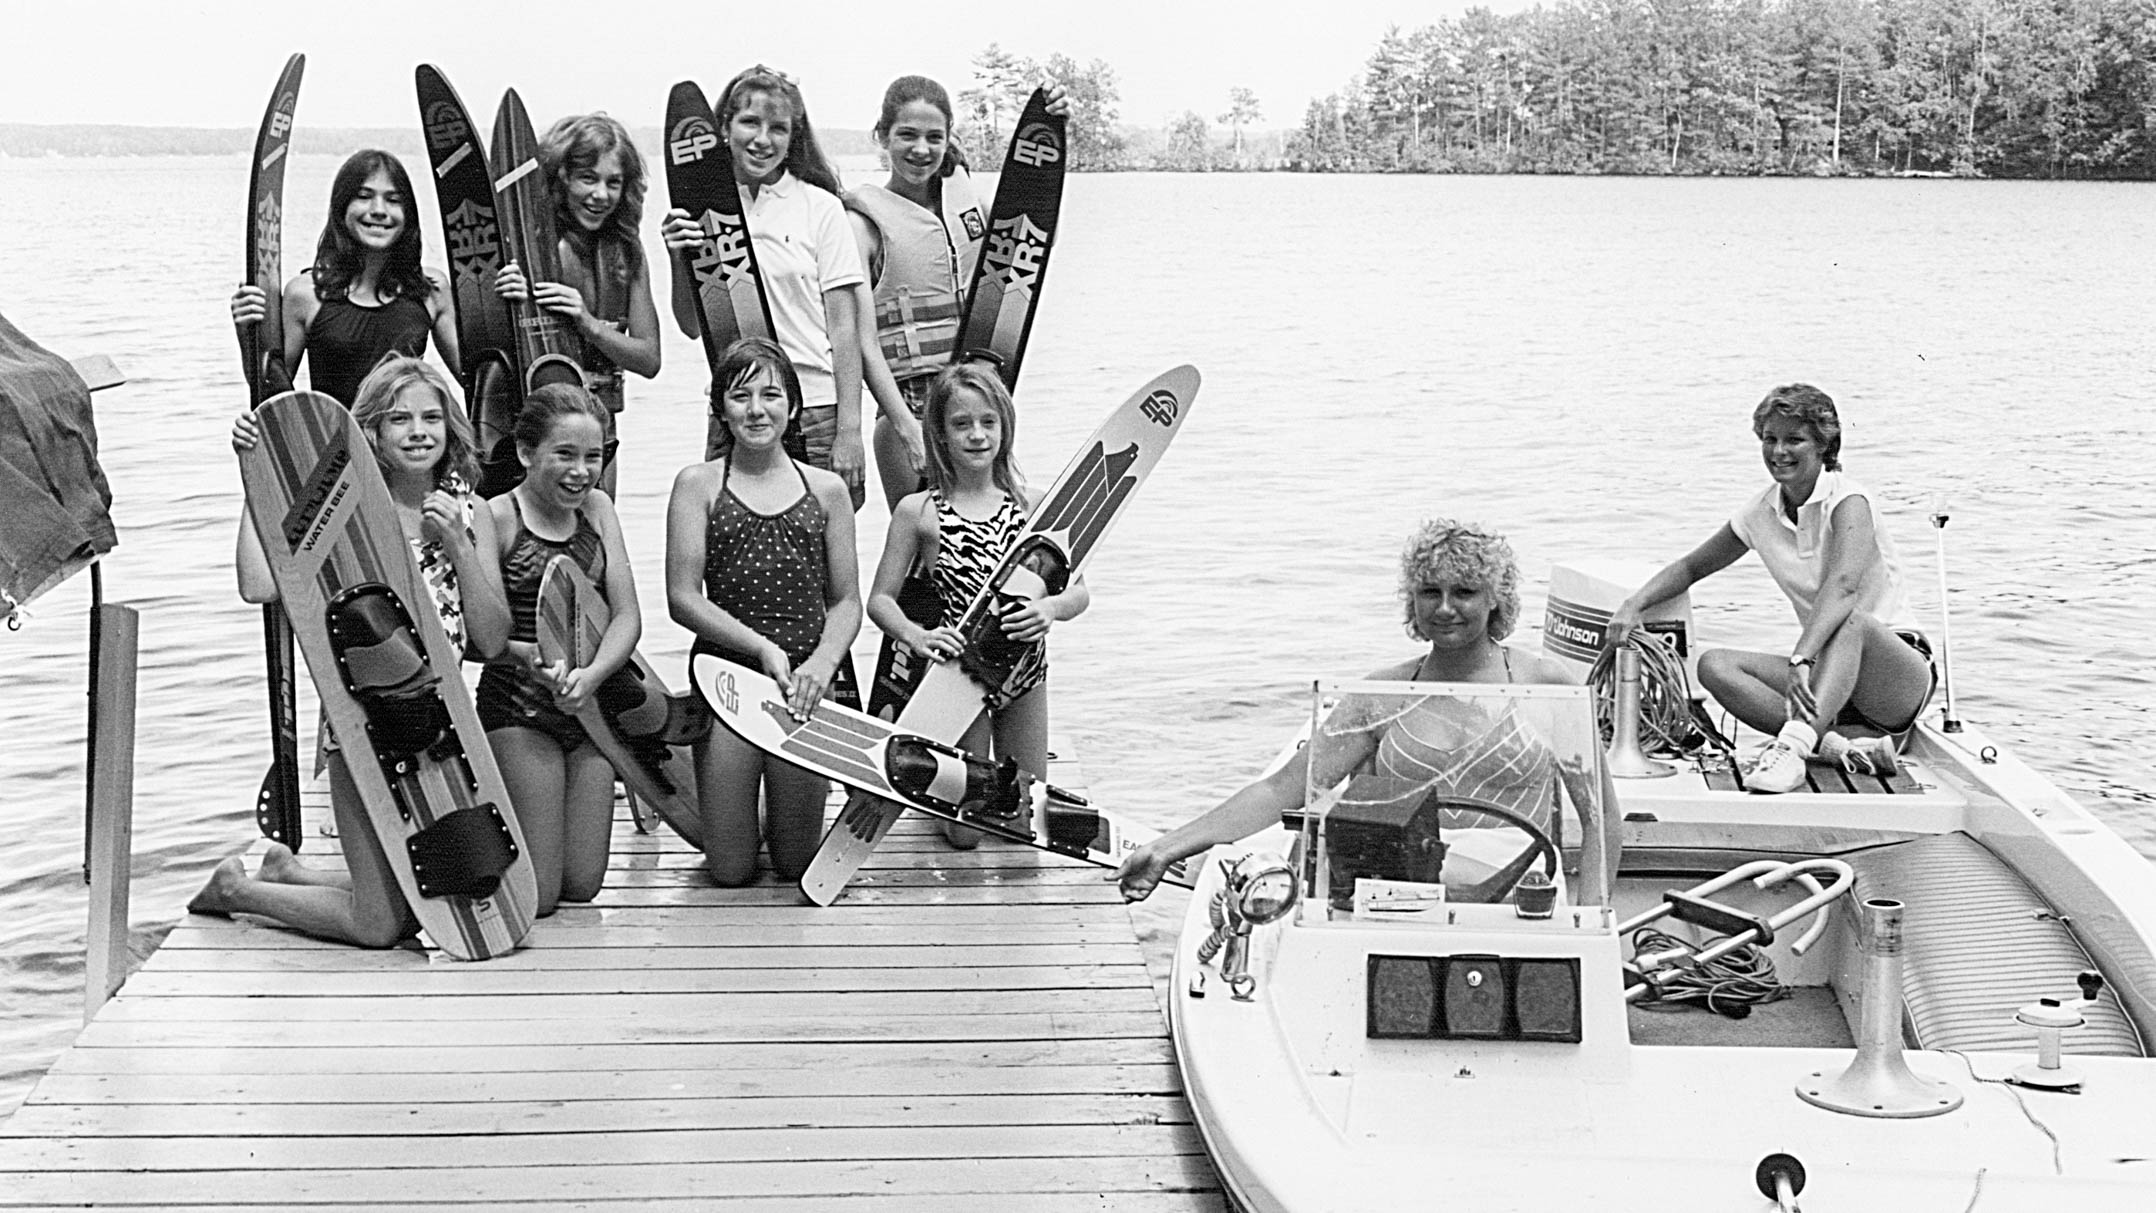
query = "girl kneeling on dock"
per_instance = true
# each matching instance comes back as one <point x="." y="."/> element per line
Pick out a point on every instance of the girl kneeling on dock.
<point x="596" y="177"/>
<point x="424" y="445"/>
<point x="760" y="567"/>
<point x="1854" y="676"/>
<point x="954" y="534"/>
<point x="366" y="296"/>
<point x="561" y="786"/>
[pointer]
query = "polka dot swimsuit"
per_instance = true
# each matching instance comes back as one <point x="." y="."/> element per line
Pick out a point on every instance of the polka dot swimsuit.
<point x="767" y="570"/>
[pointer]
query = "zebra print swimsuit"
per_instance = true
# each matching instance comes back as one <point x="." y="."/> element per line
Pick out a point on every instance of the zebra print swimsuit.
<point x="966" y="553"/>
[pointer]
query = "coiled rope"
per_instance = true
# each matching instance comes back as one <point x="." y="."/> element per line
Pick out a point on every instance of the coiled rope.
<point x="1671" y="722"/>
<point x="1730" y="984"/>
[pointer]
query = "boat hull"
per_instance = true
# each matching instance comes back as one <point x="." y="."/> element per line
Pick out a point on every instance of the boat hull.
<point x="1302" y="1111"/>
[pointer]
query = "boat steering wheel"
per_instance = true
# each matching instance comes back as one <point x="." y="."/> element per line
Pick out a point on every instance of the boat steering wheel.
<point x="1500" y="883"/>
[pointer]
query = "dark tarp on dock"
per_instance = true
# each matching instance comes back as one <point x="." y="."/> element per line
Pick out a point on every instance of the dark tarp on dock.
<point x="55" y="507"/>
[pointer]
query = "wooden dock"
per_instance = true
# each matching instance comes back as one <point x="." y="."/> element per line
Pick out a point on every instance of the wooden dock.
<point x="962" y="1031"/>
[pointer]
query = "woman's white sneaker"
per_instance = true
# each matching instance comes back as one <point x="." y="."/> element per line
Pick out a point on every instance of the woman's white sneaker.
<point x="1779" y="768"/>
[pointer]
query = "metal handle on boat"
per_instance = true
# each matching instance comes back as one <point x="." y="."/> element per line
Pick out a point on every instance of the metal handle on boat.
<point x="1801" y="872"/>
<point x="1844" y="878"/>
<point x="1764" y="874"/>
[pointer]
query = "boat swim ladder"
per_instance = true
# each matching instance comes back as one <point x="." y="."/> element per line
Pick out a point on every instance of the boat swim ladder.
<point x="1649" y="972"/>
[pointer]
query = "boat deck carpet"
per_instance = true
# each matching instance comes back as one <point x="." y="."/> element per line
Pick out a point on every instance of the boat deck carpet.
<point x="1809" y="1018"/>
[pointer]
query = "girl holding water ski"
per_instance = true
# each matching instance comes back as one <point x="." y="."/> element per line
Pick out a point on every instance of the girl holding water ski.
<point x="562" y="787"/>
<point x="596" y="177"/>
<point x="424" y="444"/>
<point x="955" y="533"/>
<point x="807" y="257"/>
<point x="920" y="235"/>
<point x="760" y="567"/>
<point x="366" y="295"/>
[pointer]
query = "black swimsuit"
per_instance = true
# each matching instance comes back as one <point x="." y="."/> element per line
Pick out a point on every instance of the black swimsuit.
<point x="346" y="341"/>
<point x="510" y="695"/>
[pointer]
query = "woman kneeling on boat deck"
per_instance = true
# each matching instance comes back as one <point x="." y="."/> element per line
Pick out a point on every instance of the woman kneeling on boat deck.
<point x="1853" y="678"/>
<point x="1460" y="588"/>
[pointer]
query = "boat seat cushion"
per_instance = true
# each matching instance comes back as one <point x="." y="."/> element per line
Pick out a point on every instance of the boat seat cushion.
<point x="1978" y="945"/>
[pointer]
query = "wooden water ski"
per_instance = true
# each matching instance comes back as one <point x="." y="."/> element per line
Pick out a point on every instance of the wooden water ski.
<point x="1021" y="230"/>
<point x="1060" y="537"/>
<point x="262" y="358"/>
<point x="472" y="238"/>
<point x="573" y="617"/>
<point x="881" y="760"/>
<point x="366" y="622"/>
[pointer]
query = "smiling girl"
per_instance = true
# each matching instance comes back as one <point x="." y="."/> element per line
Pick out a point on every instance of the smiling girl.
<point x="1854" y="677"/>
<point x="760" y="567"/>
<point x="596" y="177"/>
<point x="424" y="445"/>
<point x="956" y="532"/>
<point x="366" y="295"/>
<point x="920" y="234"/>
<point x="561" y="785"/>
<point x="807" y="257"/>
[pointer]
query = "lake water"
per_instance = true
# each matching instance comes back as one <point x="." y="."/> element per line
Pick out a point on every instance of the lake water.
<point x="1571" y="361"/>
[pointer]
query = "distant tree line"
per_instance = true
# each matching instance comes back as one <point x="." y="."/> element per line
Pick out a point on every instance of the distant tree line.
<point x="1001" y="83"/>
<point x="2005" y="88"/>
<point x="1100" y="142"/>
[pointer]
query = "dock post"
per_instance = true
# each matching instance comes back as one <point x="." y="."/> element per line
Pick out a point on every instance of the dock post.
<point x="112" y="803"/>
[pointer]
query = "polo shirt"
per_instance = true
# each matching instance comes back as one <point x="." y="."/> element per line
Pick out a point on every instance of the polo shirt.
<point x="804" y="248"/>
<point x="1795" y="553"/>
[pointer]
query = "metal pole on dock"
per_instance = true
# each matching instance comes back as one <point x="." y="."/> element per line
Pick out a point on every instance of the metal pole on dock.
<point x="110" y="829"/>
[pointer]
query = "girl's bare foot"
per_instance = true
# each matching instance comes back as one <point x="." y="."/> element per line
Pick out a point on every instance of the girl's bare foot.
<point x="216" y="897"/>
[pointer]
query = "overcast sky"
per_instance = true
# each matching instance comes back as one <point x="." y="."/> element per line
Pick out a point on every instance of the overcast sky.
<point x="211" y="64"/>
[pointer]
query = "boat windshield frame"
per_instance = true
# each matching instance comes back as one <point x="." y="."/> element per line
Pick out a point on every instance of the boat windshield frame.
<point x="1559" y="717"/>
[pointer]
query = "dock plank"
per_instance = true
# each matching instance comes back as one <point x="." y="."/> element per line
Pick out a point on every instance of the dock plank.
<point x="963" y="1031"/>
<point x="927" y="1079"/>
<point x="634" y="1179"/>
<point x="470" y="981"/>
<point x="171" y="960"/>
<point x="245" y="1057"/>
<point x="957" y="1202"/>
<point x="1167" y="1201"/>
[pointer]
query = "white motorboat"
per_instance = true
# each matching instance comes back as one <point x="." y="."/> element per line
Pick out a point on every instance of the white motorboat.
<point x="1933" y="991"/>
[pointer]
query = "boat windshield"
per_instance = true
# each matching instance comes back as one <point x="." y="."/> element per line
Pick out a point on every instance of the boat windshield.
<point x="1461" y="791"/>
